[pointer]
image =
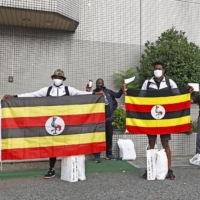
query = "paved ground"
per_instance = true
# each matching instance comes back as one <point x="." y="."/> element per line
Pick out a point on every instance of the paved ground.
<point x="110" y="186"/>
<point x="182" y="161"/>
<point x="178" y="161"/>
<point x="106" y="186"/>
<point x="33" y="164"/>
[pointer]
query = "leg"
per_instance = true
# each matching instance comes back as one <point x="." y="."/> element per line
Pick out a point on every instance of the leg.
<point x="97" y="154"/>
<point x="97" y="157"/>
<point x="165" y="145"/>
<point x="152" y="142"/>
<point x="51" y="172"/>
<point x="109" y="135"/>
<point x="52" y="162"/>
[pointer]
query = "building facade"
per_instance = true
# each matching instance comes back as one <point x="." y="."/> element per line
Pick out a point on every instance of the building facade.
<point x="104" y="37"/>
<point x="110" y="36"/>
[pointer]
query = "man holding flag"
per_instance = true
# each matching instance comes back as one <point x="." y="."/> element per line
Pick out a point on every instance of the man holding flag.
<point x="159" y="82"/>
<point x="159" y="108"/>
<point x="56" y="90"/>
<point x="109" y="96"/>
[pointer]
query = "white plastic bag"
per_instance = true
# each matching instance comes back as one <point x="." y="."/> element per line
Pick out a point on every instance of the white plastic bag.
<point x="151" y="164"/>
<point x="161" y="165"/>
<point x="195" y="160"/>
<point x="81" y="168"/>
<point x="119" y="142"/>
<point x="148" y="147"/>
<point x="127" y="150"/>
<point x="69" y="169"/>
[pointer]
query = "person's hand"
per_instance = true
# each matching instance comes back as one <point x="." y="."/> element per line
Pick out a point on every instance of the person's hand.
<point x="191" y="89"/>
<point x="100" y="92"/>
<point x="7" y="96"/>
<point x="124" y="88"/>
<point x="88" y="89"/>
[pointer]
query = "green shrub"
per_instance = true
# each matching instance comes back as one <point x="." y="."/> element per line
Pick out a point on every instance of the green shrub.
<point x="120" y="118"/>
<point x="181" y="58"/>
<point x="193" y="128"/>
<point x="124" y="74"/>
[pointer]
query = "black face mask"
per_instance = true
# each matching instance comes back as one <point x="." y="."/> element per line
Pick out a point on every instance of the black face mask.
<point x="99" y="87"/>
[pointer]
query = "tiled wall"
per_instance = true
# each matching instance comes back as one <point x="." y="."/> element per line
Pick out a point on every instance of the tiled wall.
<point x="100" y="46"/>
<point x="180" y="144"/>
<point x="110" y="36"/>
<point x="46" y="5"/>
<point x="68" y="8"/>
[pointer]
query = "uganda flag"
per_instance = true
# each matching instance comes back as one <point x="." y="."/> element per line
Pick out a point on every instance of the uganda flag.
<point x="155" y="112"/>
<point x="44" y="127"/>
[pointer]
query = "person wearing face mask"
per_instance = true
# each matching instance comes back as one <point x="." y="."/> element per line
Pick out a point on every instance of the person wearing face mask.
<point x="109" y="111"/>
<point x="159" y="82"/>
<point x="56" y="90"/>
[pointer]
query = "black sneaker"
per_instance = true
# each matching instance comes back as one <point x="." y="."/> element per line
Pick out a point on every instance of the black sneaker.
<point x="50" y="174"/>
<point x="145" y="175"/>
<point x="111" y="157"/>
<point x="97" y="159"/>
<point x="170" y="175"/>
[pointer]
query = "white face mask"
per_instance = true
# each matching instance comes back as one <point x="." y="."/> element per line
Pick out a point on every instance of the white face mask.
<point x="158" y="73"/>
<point x="57" y="82"/>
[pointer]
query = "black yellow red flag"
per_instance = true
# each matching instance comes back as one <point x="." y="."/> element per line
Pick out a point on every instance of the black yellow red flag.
<point x="52" y="126"/>
<point x="155" y="112"/>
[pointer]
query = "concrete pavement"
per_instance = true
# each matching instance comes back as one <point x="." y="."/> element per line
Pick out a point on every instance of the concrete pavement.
<point x="109" y="186"/>
<point x="178" y="161"/>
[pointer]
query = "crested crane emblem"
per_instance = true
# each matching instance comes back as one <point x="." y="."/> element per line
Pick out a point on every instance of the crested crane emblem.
<point x="158" y="112"/>
<point x="55" y="125"/>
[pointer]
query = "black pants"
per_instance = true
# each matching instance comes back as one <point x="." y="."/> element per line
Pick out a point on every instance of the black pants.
<point x="109" y="135"/>
<point x="52" y="162"/>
